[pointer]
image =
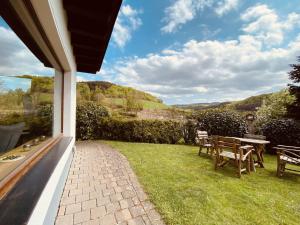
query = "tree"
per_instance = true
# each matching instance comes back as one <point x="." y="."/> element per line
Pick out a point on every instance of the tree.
<point x="83" y="92"/>
<point x="97" y="95"/>
<point x="294" y="75"/>
<point x="132" y="103"/>
<point x="274" y="106"/>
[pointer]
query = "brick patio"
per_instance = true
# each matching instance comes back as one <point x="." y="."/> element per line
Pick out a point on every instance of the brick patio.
<point x="102" y="189"/>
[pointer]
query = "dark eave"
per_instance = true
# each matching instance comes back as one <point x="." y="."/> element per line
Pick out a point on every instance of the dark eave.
<point x="90" y="24"/>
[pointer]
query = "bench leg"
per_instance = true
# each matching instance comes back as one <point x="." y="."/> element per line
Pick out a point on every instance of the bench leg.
<point x="200" y="150"/>
<point x="239" y="168"/>
<point x="248" y="168"/>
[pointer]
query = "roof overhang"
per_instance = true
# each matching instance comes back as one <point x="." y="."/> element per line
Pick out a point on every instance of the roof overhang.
<point x="64" y="34"/>
<point x="90" y="24"/>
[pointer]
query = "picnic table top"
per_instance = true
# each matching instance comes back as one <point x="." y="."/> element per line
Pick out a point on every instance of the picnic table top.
<point x="253" y="141"/>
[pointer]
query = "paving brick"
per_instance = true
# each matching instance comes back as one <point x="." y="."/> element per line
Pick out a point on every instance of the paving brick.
<point x="126" y="203"/>
<point x="154" y="216"/>
<point x="64" y="220"/>
<point x="82" y="216"/>
<point x="98" y="212"/>
<point x="112" y="207"/>
<point x="82" y="198"/>
<point x="89" y="204"/>
<point x="147" y="205"/>
<point x="67" y="200"/>
<point x="137" y="211"/>
<point x="103" y="201"/>
<point x="73" y="208"/>
<point x="75" y="192"/>
<point x="136" y="221"/>
<point x="123" y="215"/>
<point x="108" y="220"/>
<point x="61" y="210"/>
<point x="116" y="197"/>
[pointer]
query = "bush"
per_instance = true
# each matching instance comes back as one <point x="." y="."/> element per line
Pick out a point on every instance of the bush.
<point x="281" y="132"/>
<point x="148" y="131"/>
<point x="189" y="131"/>
<point x="223" y="123"/>
<point x="41" y="123"/>
<point x="87" y="116"/>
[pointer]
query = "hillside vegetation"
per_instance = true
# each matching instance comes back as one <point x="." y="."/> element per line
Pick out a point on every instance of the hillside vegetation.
<point x="114" y="97"/>
<point x="117" y="97"/>
<point x="248" y="104"/>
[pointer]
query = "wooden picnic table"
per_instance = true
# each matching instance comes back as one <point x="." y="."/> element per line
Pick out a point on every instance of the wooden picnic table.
<point x="258" y="146"/>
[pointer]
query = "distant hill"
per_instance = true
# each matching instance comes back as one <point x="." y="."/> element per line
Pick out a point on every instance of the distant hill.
<point x="199" y="106"/>
<point x="248" y="104"/>
<point x="113" y="95"/>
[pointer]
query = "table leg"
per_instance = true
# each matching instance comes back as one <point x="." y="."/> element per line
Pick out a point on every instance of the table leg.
<point x="259" y="154"/>
<point x="252" y="162"/>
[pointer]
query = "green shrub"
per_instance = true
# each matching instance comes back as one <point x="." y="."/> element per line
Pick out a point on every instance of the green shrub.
<point x="189" y="132"/>
<point x="148" y="131"/>
<point x="281" y="132"/>
<point x="41" y="123"/>
<point x="11" y="119"/>
<point x="87" y="116"/>
<point x="224" y="123"/>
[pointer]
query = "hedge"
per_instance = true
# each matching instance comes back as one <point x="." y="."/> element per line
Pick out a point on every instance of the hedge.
<point x="223" y="123"/>
<point x="189" y="131"/>
<point x="87" y="116"/>
<point x="281" y="132"/>
<point x="148" y="131"/>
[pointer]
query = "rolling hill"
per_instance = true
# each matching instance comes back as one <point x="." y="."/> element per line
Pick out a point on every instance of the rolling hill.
<point x="248" y="104"/>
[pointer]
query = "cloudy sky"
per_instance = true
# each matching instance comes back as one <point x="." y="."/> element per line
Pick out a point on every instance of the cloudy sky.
<point x="188" y="51"/>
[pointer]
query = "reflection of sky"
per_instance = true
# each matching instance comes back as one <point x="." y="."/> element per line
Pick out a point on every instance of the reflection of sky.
<point x="12" y="83"/>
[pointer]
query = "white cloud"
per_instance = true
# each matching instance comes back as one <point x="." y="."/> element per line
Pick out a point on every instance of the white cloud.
<point x="127" y="22"/>
<point x="183" y="11"/>
<point x="80" y="78"/>
<point x="265" y="24"/>
<point x="210" y="70"/>
<point x="15" y="58"/>
<point x="225" y="6"/>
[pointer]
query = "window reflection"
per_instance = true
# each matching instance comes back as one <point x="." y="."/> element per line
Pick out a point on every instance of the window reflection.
<point x="26" y="104"/>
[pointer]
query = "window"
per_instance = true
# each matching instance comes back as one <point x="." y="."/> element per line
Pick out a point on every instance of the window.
<point x="26" y="102"/>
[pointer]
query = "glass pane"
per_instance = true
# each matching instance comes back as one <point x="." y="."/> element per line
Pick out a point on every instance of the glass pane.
<point x="26" y="103"/>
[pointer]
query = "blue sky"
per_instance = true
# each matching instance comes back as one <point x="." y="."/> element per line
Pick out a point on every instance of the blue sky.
<point x="188" y="51"/>
<point x="12" y="83"/>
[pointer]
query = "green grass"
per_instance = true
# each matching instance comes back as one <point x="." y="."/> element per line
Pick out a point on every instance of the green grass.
<point x="153" y="105"/>
<point x="188" y="191"/>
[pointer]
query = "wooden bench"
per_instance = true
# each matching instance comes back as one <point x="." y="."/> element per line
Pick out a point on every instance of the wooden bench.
<point x="230" y="149"/>
<point x="287" y="155"/>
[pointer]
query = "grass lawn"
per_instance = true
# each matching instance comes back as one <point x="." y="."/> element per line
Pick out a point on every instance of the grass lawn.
<point x="188" y="191"/>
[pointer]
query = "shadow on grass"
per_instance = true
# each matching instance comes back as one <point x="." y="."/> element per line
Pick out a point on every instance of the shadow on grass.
<point x="287" y="176"/>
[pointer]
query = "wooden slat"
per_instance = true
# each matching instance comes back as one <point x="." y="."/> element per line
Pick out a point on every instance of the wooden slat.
<point x="291" y="160"/>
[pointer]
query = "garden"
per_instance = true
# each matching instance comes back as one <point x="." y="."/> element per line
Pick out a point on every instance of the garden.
<point x="185" y="187"/>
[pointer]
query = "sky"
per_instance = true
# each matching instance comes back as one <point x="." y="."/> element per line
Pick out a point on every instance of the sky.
<point x="189" y="51"/>
<point x="13" y="83"/>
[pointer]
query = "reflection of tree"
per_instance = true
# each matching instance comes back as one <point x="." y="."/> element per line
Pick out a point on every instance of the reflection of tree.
<point x="12" y="99"/>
